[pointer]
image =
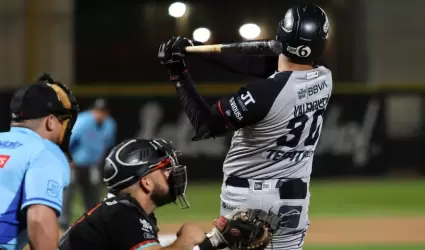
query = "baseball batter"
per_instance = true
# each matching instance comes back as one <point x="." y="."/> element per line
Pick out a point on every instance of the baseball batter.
<point x="276" y="122"/>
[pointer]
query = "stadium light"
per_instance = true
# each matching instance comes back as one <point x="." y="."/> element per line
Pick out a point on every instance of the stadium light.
<point x="177" y="9"/>
<point x="201" y="35"/>
<point x="249" y="31"/>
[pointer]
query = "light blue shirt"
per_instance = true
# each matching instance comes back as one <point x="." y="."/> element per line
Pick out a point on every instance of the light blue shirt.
<point x="33" y="170"/>
<point x="90" y="141"/>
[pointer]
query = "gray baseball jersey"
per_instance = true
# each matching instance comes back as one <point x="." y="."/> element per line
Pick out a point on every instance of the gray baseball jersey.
<point x="279" y="121"/>
<point x="282" y="143"/>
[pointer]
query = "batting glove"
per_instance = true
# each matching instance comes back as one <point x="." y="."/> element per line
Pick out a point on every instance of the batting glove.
<point x="171" y="53"/>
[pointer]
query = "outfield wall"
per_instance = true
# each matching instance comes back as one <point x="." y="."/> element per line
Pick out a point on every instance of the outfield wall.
<point x="368" y="131"/>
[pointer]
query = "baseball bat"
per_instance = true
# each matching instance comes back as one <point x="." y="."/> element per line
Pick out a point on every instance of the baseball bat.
<point x="249" y="47"/>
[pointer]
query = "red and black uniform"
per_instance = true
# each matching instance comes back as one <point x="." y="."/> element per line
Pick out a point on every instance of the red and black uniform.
<point x="116" y="223"/>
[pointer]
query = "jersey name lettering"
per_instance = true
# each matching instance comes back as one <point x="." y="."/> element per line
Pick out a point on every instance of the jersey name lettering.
<point x="311" y="106"/>
<point x="296" y="155"/>
<point x="235" y="109"/>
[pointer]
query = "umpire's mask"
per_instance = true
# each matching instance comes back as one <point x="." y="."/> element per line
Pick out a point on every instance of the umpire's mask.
<point x="68" y="117"/>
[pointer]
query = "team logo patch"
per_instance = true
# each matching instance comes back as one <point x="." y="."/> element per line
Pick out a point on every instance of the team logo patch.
<point x="146" y="226"/>
<point x="291" y="216"/>
<point x="302" y="93"/>
<point x="10" y="144"/>
<point x="288" y="22"/>
<point x="313" y="74"/>
<point x="3" y="160"/>
<point x="267" y="185"/>
<point x="53" y="189"/>
<point x="300" y="51"/>
<point x="262" y="186"/>
<point x="326" y="26"/>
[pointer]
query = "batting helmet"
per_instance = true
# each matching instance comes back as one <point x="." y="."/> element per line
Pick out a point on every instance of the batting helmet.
<point x="303" y="33"/>
<point x="132" y="159"/>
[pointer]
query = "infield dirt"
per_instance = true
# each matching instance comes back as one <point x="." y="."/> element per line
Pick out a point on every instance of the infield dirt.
<point x="347" y="231"/>
<point x="353" y="230"/>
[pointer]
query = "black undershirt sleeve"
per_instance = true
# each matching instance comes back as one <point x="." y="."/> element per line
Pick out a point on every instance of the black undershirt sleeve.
<point x="246" y="107"/>
<point x="197" y="109"/>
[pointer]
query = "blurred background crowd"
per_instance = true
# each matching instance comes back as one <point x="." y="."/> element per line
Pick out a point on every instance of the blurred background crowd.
<point x="108" y="49"/>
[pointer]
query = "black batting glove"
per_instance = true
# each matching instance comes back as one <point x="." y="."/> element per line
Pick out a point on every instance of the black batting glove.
<point x="171" y="53"/>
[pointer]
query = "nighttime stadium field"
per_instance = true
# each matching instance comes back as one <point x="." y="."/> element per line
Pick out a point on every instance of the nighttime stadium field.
<point x="345" y="215"/>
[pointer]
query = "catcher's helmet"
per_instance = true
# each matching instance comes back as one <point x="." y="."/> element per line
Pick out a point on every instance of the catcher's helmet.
<point x="135" y="158"/>
<point x="303" y="33"/>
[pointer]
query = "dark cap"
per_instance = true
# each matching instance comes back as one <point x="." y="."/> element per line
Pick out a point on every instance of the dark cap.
<point x="36" y="101"/>
<point x="101" y="104"/>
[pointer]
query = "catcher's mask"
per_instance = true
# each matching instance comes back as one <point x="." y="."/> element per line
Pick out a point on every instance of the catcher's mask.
<point x="132" y="159"/>
<point x="47" y="97"/>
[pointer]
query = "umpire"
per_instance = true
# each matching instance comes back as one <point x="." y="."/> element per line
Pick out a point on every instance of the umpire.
<point x="93" y="135"/>
<point x="34" y="168"/>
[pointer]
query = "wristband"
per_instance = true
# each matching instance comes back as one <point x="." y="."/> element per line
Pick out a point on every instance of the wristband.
<point x="206" y="245"/>
<point x="176" y="69"/>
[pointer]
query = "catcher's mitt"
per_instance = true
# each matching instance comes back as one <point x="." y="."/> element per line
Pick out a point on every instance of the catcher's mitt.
<point x="247" y="229"/>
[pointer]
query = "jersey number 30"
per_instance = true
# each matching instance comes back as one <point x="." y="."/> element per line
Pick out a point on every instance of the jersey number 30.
<point x="297" y="126"/>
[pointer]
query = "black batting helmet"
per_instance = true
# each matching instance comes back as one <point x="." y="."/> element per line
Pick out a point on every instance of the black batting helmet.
<point x="132" y="159"/>
<point x="303" y="33"/>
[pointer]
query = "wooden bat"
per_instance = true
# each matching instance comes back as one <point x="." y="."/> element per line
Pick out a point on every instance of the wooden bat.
<point x="250" y="47"/>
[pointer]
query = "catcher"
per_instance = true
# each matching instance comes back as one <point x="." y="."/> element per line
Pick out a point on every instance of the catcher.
<point x="143" y="175"/>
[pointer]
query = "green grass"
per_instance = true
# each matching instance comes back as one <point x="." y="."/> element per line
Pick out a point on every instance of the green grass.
<point x="329" y="198"/>
<point x="368" y="198"/>
<point x="369" y="247"/>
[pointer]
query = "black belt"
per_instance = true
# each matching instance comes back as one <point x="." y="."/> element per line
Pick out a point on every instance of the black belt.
<point x="288" y="189"/>
<point x="237" y="182"/>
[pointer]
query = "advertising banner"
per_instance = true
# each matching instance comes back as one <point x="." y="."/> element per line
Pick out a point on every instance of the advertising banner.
<point x="351" y="142"/>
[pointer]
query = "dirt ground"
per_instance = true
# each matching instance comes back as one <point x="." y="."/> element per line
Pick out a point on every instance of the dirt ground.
<point x="350" y="231"/>
<point x="356" y="230"/>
